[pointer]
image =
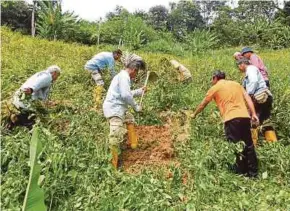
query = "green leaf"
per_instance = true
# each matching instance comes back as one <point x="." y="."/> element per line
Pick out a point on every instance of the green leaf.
<point x="34" y="197"/>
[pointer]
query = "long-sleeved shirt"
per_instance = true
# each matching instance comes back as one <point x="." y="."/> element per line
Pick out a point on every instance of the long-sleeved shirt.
<point x="257" y="61"/>
<point x="40" y="83"/>
<point x="254" y="82"/>
<point x="120" y="96"/>
<point x="102" y="61"/>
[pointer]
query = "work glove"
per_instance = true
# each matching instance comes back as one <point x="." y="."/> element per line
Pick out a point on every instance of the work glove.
<point x="138" y="108"/>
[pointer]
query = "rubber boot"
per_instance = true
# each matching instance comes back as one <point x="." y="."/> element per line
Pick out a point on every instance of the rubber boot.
<point x="254" y="132"/>
<point x="132" y="137"/>
<point x="270" y="136"/>
<point x="115" y="156"/>
<point x="98" y="96"/>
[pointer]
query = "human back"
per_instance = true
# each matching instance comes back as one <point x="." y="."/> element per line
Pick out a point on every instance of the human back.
<point x="101" y="61"/>
<point x="229" y="97"/>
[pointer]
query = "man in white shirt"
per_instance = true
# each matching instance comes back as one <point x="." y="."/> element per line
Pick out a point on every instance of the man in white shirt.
<point x="37" y="87"/>
<point x="119" y="98"/>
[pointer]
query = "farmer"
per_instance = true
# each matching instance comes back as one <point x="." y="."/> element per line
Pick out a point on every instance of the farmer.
<point x="185" y="75"/>
<point x="262" y="97"/>
<point x="230" y="98"/>
<point x="37" y="87"/>
<point x="129" y="57"/>
<point x="115" y="106"/>
<point x="256" y="61"/>
<point x="237" y="55"/>
<point x="96" y="66"/>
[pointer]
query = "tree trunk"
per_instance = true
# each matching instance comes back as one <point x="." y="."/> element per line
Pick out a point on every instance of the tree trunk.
<point x="33" y="20"/>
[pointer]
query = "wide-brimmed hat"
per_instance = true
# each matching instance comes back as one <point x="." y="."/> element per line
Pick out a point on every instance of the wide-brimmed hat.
<point x="246" y="50"/>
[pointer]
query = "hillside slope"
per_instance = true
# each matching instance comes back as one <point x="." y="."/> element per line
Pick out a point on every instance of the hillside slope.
<point x="75" y="161"/>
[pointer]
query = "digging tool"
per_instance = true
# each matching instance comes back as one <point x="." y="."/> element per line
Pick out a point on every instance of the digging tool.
<point x="151" y="76"/>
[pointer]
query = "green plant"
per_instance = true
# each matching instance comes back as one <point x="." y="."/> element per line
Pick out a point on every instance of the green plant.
<point x="34" y="197"/>
<point x="75" y="159"/>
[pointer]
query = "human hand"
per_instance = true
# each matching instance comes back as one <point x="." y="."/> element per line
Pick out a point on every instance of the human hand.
<point x="193" y="116"/>
<point x="255" y="119"/>
<point x="144" y="89"/>
<point x="138" y="108"/>
<point x="28" y="91"/>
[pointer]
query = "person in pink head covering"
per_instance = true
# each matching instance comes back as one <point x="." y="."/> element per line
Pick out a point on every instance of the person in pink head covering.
<point x="256" y="61"/>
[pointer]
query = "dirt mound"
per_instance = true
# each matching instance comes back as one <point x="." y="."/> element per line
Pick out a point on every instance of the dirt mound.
<point x="155" y="149"/>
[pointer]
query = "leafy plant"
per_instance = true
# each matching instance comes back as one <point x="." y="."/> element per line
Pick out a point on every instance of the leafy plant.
<point x="34" y="197"/>
<point x="52" y="23"/>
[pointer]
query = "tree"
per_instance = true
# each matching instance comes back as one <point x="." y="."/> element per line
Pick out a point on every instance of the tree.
<point x="141" y="14"/>
<point x="33" y="27"/>
<point x="17" y="15"/>
<point x="209" y="9"/>
<point x="119" y="12"/>
<point x="184" y="17"/>
<point x="158" y="16"/>
<point x="252" y="10"/>
<point x="284" y="14"/>
<point x="52" y="23"/>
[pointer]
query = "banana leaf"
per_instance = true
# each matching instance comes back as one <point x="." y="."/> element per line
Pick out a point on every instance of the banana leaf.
<point x="34" y="197"/>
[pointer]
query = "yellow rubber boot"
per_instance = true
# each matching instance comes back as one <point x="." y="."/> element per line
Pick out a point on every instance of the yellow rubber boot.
<point x="270" y="136"/>
<point x="98" y="96"/>
<point x="133" y="140"/>
<point x="115" y="156"/>
<point x="254" y="132"/>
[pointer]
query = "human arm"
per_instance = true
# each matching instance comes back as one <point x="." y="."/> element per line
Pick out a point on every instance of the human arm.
<point x="138" y="92"/>
<point x="111" y="67"/>
<point x="250" y="106"/>
<point x="126" y="93"/>
<point x="200" y="107"/>
<point x="251" y="80"/>
<point x="40" y="81"/>
<point x="209" y="96"/>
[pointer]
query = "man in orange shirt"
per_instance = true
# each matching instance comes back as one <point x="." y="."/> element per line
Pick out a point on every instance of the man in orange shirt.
<point x="230" y="98"/>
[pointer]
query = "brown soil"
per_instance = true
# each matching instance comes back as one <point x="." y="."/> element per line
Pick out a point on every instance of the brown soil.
<point x="155" y="149"/>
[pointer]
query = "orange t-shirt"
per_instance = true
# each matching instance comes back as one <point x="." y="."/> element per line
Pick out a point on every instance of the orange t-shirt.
<point x="229" y="97"/>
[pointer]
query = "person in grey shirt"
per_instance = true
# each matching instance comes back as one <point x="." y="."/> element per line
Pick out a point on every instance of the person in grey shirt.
<point x="37" y="87"/>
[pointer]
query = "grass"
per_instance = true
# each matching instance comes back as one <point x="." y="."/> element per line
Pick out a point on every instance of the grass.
<point x="75" y="160"/>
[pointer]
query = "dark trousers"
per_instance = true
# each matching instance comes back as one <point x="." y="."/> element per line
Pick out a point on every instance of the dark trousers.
<point x="26" y="119"/>
<point x="264" y="110"/>
<point x="239" y="129"/>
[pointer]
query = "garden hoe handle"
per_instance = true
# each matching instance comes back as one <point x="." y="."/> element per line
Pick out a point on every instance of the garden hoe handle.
<point x="145" y="84"/>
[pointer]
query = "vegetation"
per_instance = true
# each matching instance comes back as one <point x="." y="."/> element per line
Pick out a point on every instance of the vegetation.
<point x="194" y="26"/>
<point x="77" y="174"/>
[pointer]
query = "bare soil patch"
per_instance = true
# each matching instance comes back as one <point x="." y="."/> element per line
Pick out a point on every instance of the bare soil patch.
<point x="155" y="149"/>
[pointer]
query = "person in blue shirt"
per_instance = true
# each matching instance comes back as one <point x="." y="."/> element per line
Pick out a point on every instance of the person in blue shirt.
<point x="256" y="87"/>
<point x="98" y="64"/>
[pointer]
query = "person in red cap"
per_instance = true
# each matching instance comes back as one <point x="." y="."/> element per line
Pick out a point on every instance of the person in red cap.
<point x="256" y="61"/>
<point x="230" y="98"/>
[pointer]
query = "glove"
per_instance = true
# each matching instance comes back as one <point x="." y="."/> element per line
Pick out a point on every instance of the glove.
<point x="138" y="108"/>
